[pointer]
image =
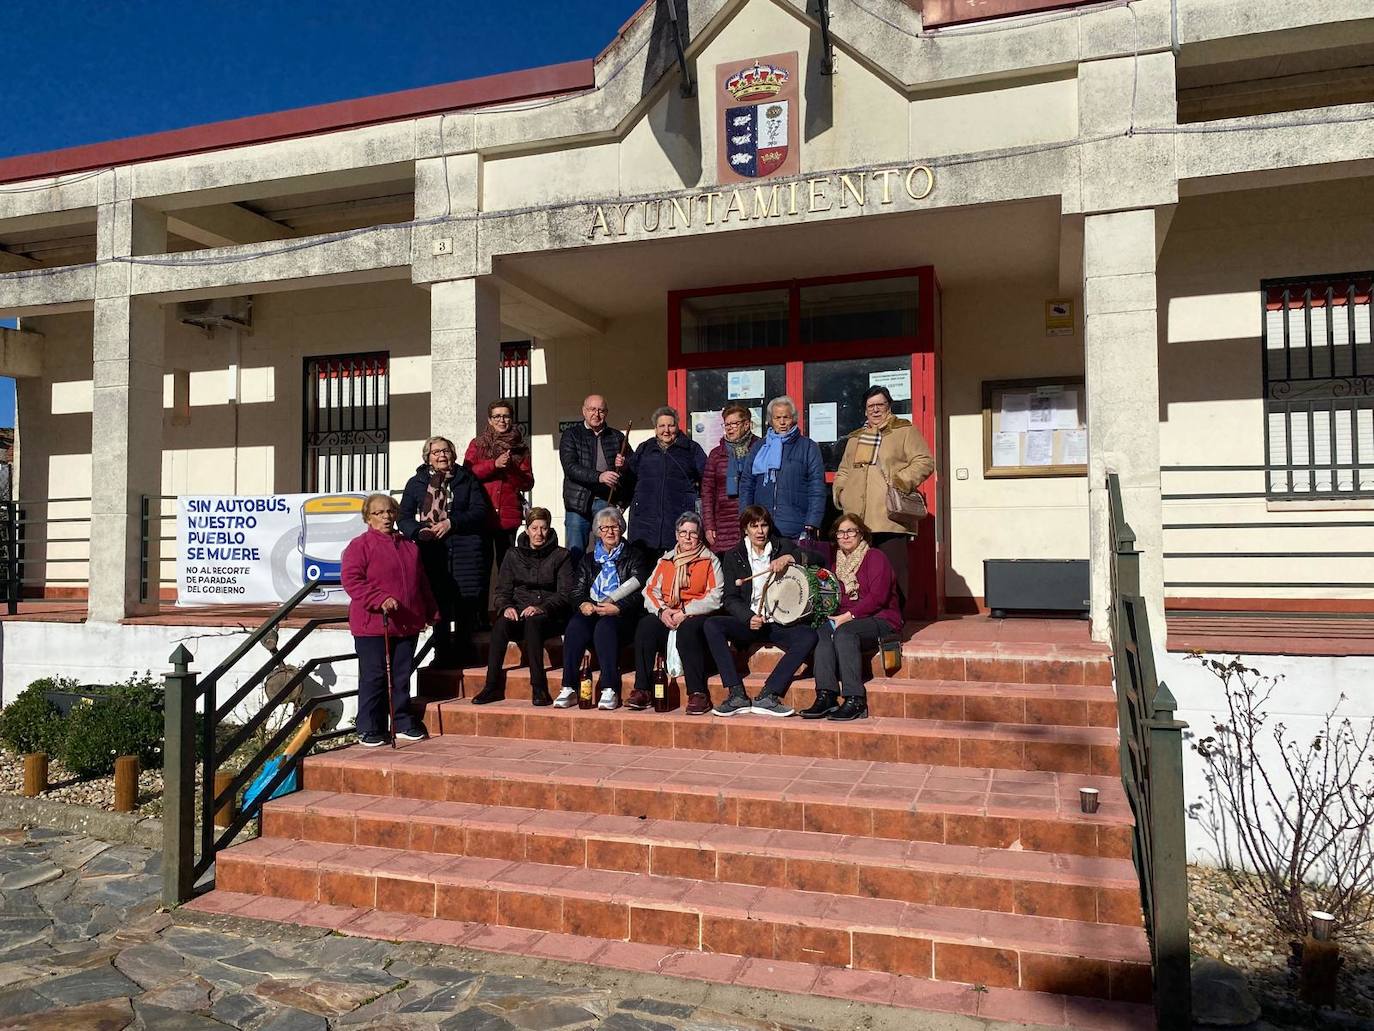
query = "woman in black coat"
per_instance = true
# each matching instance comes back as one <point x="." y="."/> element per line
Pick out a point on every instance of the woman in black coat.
<point x="444" y="509"/>
<point x="533" y="597"/>
<point x="667" y="473"/>
<point x="609" y="568"/>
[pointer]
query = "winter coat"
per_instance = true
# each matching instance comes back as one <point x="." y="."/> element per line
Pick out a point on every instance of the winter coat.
<point x="503" y="486"/>
<point x="703" y="590"/>
<point x="378" y="566"/>
<point x="719" y="509"/>
<point x="456" y="563"/>
<point x="667" y="483"/>
<point x="542" y="577"/>
<point x="635" y="563"/>
<point x="577" y="455"/>
<point x="903" y="457"/>
<point x="877" y="591"/>
<point x="796" y="497"/>
<point x="734" y="565"/>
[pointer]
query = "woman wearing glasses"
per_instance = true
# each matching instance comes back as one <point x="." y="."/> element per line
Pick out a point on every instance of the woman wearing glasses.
<point x="444" y="510"/>
<point x="726" y="466"/>
<point x="500" y="459"/>
<point x="869" y="610"/>
<point x="885" y="450"/>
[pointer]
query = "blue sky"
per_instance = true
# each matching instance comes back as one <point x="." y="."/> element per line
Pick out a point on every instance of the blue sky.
<point x="91" y="70"/>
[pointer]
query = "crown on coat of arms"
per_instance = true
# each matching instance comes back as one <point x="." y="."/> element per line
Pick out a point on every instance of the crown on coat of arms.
<point x="760" y="80"/>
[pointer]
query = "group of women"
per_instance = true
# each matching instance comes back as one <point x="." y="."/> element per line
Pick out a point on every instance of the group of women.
<point x="683" y="582"/>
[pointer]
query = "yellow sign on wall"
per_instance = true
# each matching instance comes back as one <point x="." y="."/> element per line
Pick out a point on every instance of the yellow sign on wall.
<point x="1059" y="318"/>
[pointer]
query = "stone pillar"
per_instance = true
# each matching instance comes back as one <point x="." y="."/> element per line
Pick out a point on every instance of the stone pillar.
<point x="464" y="356"/>
<point x="1121" y="360"/>
<point x="126" y="416"/>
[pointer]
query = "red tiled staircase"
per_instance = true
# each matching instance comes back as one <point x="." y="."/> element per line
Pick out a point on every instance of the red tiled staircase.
<point x="908" y="859"/>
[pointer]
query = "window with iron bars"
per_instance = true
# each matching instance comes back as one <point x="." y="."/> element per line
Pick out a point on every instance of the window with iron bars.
<point x="1319" y="387"/>
<point x="515" y="382"/>
<point x="347" y="432"/>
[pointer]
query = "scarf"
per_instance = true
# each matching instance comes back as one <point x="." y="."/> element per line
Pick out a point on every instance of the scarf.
<point x="769" y="458"/>
<point x="871" y="440"/>
<point x="682" y="561"/>
<point x="492" y="444"/>
<point x="847" y="568"/>
<point x="435" y="507"/>
<point x="608" y="577"/>
<point x="735" y="454"/>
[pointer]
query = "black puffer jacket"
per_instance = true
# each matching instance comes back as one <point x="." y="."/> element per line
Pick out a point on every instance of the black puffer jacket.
<point x="581" y="481"/>
<point x="542" y="577"/>
<point x="455" y="561"/>
<point x="635" y="562"/>
<point x="667" y="484"/>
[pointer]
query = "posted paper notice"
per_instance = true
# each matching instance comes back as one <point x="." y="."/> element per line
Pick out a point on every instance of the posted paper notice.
<point x="1074" y="444"/>
<point x="1015" y="417"/>
<point x="898" y="383"/>
<point x="1040" y="447"/>
<point x="707" y="429"/>
<point x="1066" y="410"/>
<point x="1006" y="449"/>
<point x="744" y="383"/>
<point x="1041" y="413"/>
<point x="823" y="422"/>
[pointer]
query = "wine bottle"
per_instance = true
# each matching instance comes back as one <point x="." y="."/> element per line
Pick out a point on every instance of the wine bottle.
<point x="661" y="702"/>
<point x="586" y="697"/>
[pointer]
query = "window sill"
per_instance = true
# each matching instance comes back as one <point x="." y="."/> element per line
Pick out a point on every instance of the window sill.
<point x="1365" y="504"/>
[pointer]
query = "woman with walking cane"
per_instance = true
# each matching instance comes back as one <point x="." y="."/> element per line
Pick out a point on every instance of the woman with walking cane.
<point x="389" y="603"/>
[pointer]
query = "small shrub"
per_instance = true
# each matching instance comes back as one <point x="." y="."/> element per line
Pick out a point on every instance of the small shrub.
<point x="127" y="722"/>
<point x="31" y="723"/>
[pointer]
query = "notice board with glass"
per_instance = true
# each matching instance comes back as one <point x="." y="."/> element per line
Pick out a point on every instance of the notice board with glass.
<point x="1035" y="427"/>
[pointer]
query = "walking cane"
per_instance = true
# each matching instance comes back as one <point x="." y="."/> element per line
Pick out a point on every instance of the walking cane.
<point x="390" y="704"/>
<point x="623" y="449"/>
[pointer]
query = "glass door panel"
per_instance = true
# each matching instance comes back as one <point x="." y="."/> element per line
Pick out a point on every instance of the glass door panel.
<point x="833" y="397"/>
<point x="710" y="390"/>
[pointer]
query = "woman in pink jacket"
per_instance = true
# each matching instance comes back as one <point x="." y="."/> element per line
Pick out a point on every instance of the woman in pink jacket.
<point x="388" y="595"/>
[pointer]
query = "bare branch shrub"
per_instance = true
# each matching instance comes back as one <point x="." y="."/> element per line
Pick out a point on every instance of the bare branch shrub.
<point x="1298" y="813"/>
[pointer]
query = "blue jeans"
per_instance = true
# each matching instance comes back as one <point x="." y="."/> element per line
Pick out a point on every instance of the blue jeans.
<point x="577" y="528"/>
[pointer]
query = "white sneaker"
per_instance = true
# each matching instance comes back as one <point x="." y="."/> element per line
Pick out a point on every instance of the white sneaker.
<point x="609" y="700"/>
<point x="566" y="699"/>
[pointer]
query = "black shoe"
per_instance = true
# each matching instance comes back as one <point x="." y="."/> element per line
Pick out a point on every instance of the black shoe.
<point x="540" y="696"/>
<point x="488" y="694"/>
<point x="417" y="732"/>
<point x="826" y="702"/>
<point x="850" y="709"/>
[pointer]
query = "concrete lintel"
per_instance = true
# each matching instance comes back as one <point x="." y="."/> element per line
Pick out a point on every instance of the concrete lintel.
<point x="47" y="291"/>
<point x="224" y="225"/>
<point x="1270" y="145"/>
<point x="11" y="262"/>
<point x="21" y="353"/>
<point x="581" y="320"/>
<point x="274" y="179"/>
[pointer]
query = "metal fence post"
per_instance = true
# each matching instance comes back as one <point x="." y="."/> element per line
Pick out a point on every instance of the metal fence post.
<point x="143" y="529"/>
<point x="13" y="574"/>
<point x="179" y="780"/>
<point x="1173" y="961"/>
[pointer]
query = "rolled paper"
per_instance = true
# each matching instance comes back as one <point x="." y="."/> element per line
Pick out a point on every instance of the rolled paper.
<point x="626" y="589"/>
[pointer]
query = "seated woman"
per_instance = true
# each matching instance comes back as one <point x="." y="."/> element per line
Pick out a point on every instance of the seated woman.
<point x="684" y="590"/>
<point x="597" y="621"/>
<point x="761" y="552"/>
<point x="532" y="598"/>
<point x="869" y="609"/>
<point x="389" y="603"/>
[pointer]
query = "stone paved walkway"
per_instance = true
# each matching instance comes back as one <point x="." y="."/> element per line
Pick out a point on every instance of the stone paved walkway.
<point x="85" y="946"/>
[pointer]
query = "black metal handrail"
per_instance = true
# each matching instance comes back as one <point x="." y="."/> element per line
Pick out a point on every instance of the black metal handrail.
<point x="1152" y="776"/>
<point x="14" y="543"/>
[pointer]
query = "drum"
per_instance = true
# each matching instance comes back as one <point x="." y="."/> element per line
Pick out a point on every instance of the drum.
<point x="800" y="593"/>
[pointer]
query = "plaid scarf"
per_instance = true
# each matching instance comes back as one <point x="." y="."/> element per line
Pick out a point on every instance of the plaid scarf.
<point x="870" y="442"/>
<point x="682" y="561"/>
<point x="847" y="568"/>
<point x="608" y="577"/>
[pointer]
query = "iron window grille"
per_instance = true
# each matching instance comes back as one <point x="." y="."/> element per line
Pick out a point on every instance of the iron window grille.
<point x="1318" y="357"/>
<point x="347" y="423"/>
<point x="515" y="382"/>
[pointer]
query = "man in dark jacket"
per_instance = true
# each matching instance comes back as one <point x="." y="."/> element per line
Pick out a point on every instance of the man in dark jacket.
<point x="533" y="597"/>
<point x="761" y="553"/>
<point x="667" y="472"/>
<point x="786" y="474"/>
<point x="444" y="510"/>
<point x="591" y="454"/>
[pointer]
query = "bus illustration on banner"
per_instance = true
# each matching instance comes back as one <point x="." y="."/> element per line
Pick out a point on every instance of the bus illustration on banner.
<point x="328" y="523"/>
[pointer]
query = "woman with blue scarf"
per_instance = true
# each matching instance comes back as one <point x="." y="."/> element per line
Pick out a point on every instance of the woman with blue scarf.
<point x="608" y="599"/>
<point x="786" y="474"/>
<point x="726" y="467"/>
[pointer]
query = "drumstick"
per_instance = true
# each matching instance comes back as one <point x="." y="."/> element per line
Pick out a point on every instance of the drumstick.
<point x="745" y="579"/>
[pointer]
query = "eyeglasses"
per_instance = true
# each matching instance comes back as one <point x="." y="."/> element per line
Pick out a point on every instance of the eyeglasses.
<point x="876" y="406"/>
<point x="440" y="451"/>
<point x="504" y="418"/>
<point x="735" y="423"/>
<point x="608" y="528"/>
<point x="847" y="533"/>
<point x="689" y="533"/>
<point x="589" y="411"/>
<point x="381" y="511"/>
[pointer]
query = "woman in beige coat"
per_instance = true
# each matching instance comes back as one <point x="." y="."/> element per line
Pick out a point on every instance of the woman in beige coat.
<point x="886" y="449"/>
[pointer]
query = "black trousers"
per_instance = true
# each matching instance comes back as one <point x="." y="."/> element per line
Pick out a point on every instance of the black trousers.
<point x="839" y="664"/>
<point x="372" y="685"/>
<point x="651" y="638"/>
<point x="894" y="546"/>
<point x="604" y="635"/>
<point x="533" y="631"/>
<point x="797" y="643"/>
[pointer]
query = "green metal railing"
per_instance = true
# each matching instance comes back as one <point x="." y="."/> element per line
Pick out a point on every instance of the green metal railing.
<point x="1152" y="775"/>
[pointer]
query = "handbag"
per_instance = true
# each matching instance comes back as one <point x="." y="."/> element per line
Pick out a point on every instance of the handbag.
<point x="903" y="508"/>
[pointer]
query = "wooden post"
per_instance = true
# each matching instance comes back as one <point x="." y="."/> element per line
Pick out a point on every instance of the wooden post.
<point x="179" y="780"/>
<point x="225" y="814"/>
<point x="35" y="774"/>
<point x="126" y="784"/>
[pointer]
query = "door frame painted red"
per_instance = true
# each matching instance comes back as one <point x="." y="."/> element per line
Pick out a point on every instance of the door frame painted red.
<point x="926" y="594"/>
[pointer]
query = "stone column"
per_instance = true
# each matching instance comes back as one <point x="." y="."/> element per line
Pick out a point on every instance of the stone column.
<point x="1121" y="359"/>
<point x="126" y="416"/>
<point x="464" y="356"/>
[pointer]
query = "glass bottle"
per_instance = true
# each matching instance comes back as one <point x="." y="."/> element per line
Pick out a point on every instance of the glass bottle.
<point x="661" y="701"/>
<point x="586" y="696"/>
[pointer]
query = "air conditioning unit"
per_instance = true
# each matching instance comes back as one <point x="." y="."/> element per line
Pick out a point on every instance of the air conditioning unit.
<point x="217" y="312"/>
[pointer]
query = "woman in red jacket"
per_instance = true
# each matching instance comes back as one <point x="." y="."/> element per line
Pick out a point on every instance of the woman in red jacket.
<point x="500" y="459"/>
<point x="388" y="597"/>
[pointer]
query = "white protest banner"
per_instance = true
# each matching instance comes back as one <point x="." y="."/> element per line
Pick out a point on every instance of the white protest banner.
<point x="250" y="550"/>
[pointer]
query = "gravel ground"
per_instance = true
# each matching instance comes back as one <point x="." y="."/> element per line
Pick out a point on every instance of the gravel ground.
<point x="1227" y="927"/>
<point x="65" y="786"/>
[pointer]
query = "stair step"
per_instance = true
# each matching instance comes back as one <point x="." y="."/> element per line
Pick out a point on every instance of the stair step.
<point x="939" y="942"/>
<point x="1012" y="746"/>
<point x="1074" y="705"/>
<point x="996" y="808"/>
<point x="1030" y="883"/>
<point x="1047" y="1008"/>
